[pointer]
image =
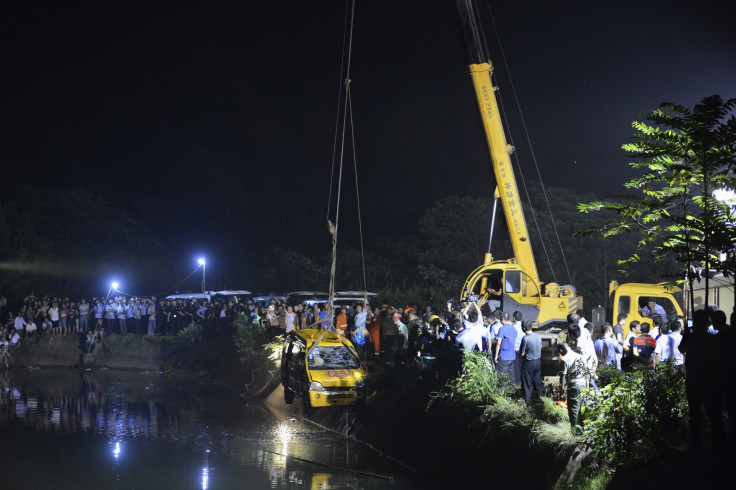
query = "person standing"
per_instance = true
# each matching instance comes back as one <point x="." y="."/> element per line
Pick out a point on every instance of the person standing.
<point x="121" y="311"/>
<point x="54" y="317"/>
<point x="19" y="324"/>
<point x="675" y="338"/>
<point x="341" y="322"/>
<point x="83" y="308"/>
<point x="607" y="348"/>
<point x="531" y="368"/>
<point x="291" y="319"/>
<point x="151" y="312"/>
<point x="618" y="334"/>
<point x="519" y="335"/>
<point x="402" y="342"/>
<point x="110" y="311"/>
<point x="388" y="326"/>
<point x="702" y="380"/>
<point x="374" y="329"/>
<point x="663" y="349"/>
<point x="574" y="381"/>
<point x="627" y="362"/>
<point x="131" y="314"/>
<point x="505" y="355"/>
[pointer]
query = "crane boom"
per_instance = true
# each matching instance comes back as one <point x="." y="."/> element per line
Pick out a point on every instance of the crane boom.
<point x="505" y="180"/>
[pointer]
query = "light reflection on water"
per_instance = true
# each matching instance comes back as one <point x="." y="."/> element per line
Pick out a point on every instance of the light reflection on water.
<point x="141" y="430"/>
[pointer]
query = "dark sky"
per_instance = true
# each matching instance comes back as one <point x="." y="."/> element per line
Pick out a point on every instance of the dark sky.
<point x="212" y="120"/>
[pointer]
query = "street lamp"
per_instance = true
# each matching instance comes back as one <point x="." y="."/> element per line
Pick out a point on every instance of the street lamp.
<point x="203" y="263"/>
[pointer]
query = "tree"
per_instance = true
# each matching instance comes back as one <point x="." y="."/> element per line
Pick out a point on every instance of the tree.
<point x="684" y="156"/>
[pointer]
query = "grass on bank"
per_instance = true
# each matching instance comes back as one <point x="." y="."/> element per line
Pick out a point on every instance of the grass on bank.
<point x="635" y="417"/>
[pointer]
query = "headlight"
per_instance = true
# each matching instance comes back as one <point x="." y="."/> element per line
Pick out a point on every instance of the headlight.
<point x="315" y="386"/>
<point x="360" y="383"/>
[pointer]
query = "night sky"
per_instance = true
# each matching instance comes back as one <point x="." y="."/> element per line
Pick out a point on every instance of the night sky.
<point x="214" y="121"/>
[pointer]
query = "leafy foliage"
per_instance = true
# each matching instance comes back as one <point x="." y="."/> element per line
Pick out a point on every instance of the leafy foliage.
<point x="247" y="337"/>
<point x="478" y="385"/>
<point x="636" y="414"/>
<point x="683" y="155"/>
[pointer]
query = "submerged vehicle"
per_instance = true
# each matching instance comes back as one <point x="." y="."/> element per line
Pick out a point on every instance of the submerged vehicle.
<point x="322" y="369"/>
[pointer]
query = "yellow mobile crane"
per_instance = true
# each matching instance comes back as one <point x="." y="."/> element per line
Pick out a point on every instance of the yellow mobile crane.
<point x="514" y="283"/>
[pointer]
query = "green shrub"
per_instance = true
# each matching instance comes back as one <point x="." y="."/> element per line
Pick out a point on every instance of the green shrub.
<point x="478" y="385"/>
<point x="246" y="337"/>
<point x="273" y="349"/>
<point x="637" y="414"/>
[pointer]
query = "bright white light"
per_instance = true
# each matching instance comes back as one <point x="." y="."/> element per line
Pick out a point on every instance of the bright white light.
<point x="283" y="432"/>
<point x="205" y="478"/>
<point x="116" y="451"/>
<point x="201" y="262"/>
<point x="115" y="285"/>
<point x="727" y="196"/>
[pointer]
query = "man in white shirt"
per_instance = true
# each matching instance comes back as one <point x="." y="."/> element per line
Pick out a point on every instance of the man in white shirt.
<point x="573" y="379"/>
<point x="675" y="337"/>
<point x="473" y="333"/>
<point x="19" y="323"/>
<point x="663" y="349"/>
<point x="582" y="322"/>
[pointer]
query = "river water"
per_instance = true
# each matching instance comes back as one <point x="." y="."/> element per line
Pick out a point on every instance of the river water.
<point x="66" y="429"/>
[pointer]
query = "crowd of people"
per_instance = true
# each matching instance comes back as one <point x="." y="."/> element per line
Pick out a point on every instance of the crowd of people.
<point x="423" y="339"/>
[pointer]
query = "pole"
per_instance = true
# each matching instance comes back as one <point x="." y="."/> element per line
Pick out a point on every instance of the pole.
<point x="493" y="218"/>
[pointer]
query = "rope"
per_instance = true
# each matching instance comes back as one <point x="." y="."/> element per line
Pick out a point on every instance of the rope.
<point x="357" y="197"/>
<point x="534" y="159"/>
<point x="334" y="228"/>
<point x="337" y="113"/>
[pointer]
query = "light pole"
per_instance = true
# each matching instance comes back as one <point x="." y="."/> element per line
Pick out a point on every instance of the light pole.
<point x="203" y="263"/>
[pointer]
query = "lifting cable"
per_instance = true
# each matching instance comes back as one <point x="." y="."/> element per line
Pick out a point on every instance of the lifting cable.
<point x="534" y="159"/>
<point x="348" y="108"/>
<point x="337" y="114"/>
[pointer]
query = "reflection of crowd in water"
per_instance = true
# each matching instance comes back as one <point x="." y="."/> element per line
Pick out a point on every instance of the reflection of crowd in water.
<point x="88" y="409"/>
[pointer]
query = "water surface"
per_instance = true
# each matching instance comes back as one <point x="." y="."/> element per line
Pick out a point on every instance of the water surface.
<point x="66" y="429"/>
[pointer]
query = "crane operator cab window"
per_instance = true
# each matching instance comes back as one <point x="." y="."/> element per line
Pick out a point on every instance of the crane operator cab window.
<point x="494" y="290"/>
<point x="522" y="287"/>
<point x="653" y="307"/>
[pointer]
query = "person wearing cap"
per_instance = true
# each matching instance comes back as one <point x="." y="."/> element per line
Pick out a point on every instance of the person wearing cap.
<point x="402" y="342"/>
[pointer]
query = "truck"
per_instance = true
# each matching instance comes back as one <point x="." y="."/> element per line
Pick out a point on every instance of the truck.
<point x="514" y="283"/>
